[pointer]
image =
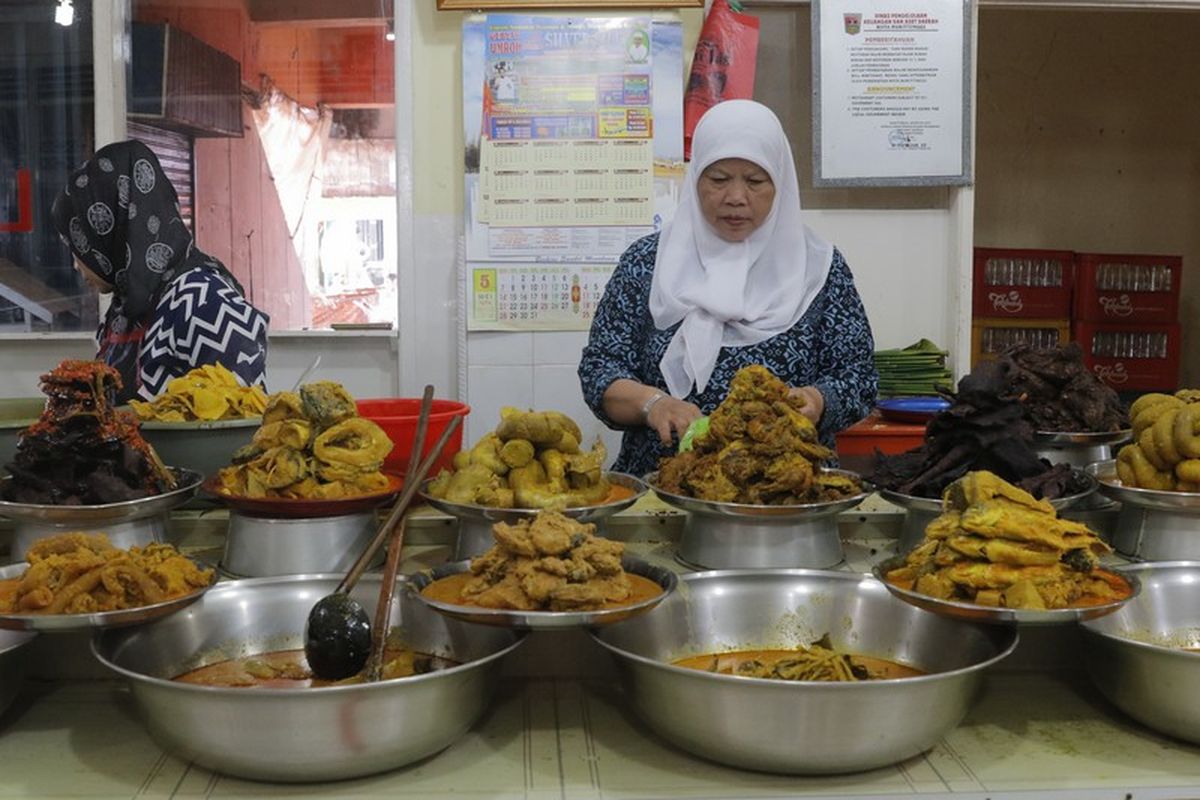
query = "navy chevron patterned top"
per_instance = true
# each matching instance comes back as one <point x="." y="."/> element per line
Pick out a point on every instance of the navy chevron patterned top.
<point x="202" y="319"/>
<point x="830" y="347"/>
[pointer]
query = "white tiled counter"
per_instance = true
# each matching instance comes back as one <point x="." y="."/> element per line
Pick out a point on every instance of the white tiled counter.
<point x="559" y="727"/>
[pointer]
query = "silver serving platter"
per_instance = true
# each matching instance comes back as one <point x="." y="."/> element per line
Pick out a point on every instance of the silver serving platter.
<point x="1083" y="438"/>
<point x="544" y="620"/>
<point x="512" y="515"/>
<point x="186" y="483"/>
<point x="1106" y="473"/>
<point x="915" y="503"/>
<point x="68" y="623"/>
<point x="992" y="614"/>
<point x="749" y="510"/>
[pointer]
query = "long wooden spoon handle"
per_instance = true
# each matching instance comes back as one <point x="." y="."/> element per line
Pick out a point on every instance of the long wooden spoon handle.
<point x="383" y="609"/>
<point x="412" y="483"/>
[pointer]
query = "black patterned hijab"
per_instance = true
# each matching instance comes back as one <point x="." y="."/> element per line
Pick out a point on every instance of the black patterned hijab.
<point x="120" y="216"/>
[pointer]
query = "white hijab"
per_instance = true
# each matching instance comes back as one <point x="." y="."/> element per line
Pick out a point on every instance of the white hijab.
<point x="733" y="293"/>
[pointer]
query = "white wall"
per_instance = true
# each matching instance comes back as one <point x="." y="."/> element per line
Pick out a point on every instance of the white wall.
<point x="364" y="365"/>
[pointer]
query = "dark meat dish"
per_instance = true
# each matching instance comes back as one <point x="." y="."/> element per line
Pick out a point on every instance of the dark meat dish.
<point x="1060" y="393"/>
<point x="81" y="451"/>
<point x="759" y="450"/>
<point x="985" y="428"/>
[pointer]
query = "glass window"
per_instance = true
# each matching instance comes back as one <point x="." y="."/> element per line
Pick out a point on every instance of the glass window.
<point x="46" y="129"/>
<point x="297" y="197"/>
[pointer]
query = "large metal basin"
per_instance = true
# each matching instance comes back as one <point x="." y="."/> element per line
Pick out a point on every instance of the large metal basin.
<point x="800" y="727"/>
<point x="1136" y="655"/>
<point x="296" y="735"/>
<point x="12" y="665"/>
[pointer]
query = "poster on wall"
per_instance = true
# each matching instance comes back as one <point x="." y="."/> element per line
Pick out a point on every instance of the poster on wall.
<point x="892" y="84"/>
<point x="534" y="297"/>
<point x="574" y="134"/>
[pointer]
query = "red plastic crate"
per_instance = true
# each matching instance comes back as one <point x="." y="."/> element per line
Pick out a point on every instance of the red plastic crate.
<point x="1021" y="282"/>
<point x="1127" y="288"/>
<point x="1142" y="357"/>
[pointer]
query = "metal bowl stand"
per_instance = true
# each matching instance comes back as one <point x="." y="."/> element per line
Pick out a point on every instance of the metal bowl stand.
<point x="719" y="541"/>
<point x="257" y="547"/>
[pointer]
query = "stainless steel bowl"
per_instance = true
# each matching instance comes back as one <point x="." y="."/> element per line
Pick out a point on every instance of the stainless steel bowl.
<point x="1136" y="655"/>
<point x="800" y="727"/>
<point x="298" y="735"/>
<point x="201" y="446"/>
<point x="12" y="665"/>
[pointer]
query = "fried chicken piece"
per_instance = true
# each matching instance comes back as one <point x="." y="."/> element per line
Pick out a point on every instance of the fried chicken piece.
<point x="505" y="594"/>
<point x="709" y="482"/>
<point x="615" y="588"/>
<point x="551" y="533"/>
<point x="576" y="597"/>
<point x="69" y="544"/>
<point x="537" y="584"/>
<point x="673" y="471"/>
<point x="516" y="539"/>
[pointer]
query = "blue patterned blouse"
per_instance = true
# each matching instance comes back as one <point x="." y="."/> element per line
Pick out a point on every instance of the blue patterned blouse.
<point x="830" y="347"/>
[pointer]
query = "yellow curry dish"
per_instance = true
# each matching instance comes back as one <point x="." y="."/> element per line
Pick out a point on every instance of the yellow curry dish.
<point x="78" y="573"/>
<point x="996" y="545"/>
<point x="312" y="445"/>
<point x="552" y="563"/>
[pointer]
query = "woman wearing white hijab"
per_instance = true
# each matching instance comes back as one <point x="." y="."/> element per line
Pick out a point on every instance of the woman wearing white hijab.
<point x="736" y="278"/>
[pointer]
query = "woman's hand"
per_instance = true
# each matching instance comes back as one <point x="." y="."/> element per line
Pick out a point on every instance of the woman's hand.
<point x="670" y="417"/>
<point x="814" y="401"/>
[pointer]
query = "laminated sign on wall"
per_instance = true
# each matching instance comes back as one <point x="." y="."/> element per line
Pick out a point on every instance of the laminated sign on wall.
<point x="892" y="79"/>
<point x="573" y="131"/>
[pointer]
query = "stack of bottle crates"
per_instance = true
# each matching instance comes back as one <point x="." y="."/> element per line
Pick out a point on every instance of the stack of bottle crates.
<point x="1123" y="310"/>
<point x="1020" y="296"/>
<point x="1126" y="319"/>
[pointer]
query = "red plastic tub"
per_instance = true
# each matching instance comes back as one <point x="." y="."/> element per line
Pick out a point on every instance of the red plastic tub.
<point x="398" y="418"/>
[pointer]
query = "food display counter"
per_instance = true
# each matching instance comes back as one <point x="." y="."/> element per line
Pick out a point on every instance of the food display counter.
<point x="560" y="726"/>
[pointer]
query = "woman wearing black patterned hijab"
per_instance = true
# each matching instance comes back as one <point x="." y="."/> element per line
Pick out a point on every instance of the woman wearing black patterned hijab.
<point x="173" y="307"/>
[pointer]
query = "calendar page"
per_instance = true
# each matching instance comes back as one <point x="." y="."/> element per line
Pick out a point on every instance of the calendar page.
<point x="573" y="150"/>
<point x="548" y="297"/>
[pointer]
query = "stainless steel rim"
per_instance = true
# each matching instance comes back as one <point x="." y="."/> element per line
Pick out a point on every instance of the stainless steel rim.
<point x="1083" y="438"/>
<point x="214" y="691"/>
<point x="751" y="511"/>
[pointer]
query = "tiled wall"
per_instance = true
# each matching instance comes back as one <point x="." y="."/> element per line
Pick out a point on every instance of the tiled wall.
<point x="529" y="370"/>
